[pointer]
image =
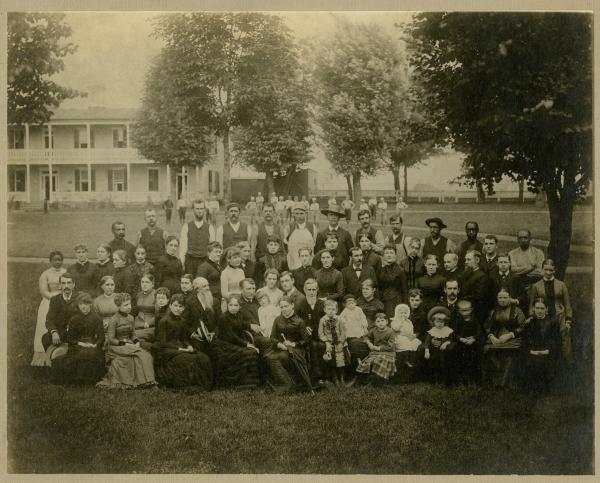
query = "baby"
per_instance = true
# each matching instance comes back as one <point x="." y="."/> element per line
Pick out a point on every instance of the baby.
<point x="267" y="313"/>
<point x="405" y="340"/>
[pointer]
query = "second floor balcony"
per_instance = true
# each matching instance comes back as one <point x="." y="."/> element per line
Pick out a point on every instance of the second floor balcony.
<point x="75" y="156"/>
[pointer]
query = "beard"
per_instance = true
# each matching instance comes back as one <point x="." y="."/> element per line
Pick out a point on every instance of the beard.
<point x="206" y="298"/>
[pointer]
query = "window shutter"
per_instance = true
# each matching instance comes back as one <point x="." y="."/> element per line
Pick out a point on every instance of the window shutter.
<point x="110" y="180"/>
<point x="125" y="180"/>
<point x="217" y="184"/>
<point x="77" y="180"/>
<point x="76" y="138"/>
<point x="93" y="179"/>
<point x="115" y="138"/>
<point x="92" y="140"/>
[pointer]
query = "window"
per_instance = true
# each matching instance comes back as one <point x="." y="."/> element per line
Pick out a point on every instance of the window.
<point x="16" y="137"/>
<point x="119" y="137"/>
<point x="117" y="179"/>
<point x="153" y="179"/>
<point x="80" y="138"/>
<point x="48" y="143"/>
<point x="16" y="179"/>
<point x="210" y="181"/>
<point x="81" y="179"/>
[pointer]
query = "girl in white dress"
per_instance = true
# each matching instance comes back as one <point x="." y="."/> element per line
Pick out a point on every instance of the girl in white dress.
<point x="49" y="284"/>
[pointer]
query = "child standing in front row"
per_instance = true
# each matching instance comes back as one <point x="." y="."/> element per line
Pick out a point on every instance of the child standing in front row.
<point x="439" y="344"/>
<point x="381" y="361"/>
<point x="332" y="333"/>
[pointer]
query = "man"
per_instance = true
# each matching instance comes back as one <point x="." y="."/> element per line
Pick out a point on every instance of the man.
<point x="168" y="207"/>
<point x="265" y="229"/>
<point x="233" y="230"/>
<point x="119" y="243"/>
<point x="260" y="199"/>
<point x="344" y="238"/>
<point x="152" y="238"/>
<point x="413" y="264"/>
<point x="83" y="271"/>
<point x="376" y="236"/>
<point x="471" y="243"/>
<point x="286" y="281"/>
<point x="62" y="308"/>
<point x="299" y="234"/>
<point x="503" y="278"/>
<point x="347" y="205"/>
<point x="489" y="261"/>
<point x="450" y="299"/>
<point x="526" y="261"/>
<point x="475" y="285"/>
<point x="451" y="269"/>
<point x="356" y="273"/>
<point x="306" y="270"/>
<point x="181" y="208"/>
<point x="398" y="238"/>
<point x="435" y="243"/>
<point x="373" y="205"/>
<point x="194" y="239"/>
<point x="249" y="311"/>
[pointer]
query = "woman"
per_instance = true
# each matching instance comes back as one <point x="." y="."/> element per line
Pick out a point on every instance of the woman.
<point x="234" y="358"/>
<point x="49" y="284"/>
<point x="500" y="352"/>
<point x="104" y="305"/>
<point x="131" y="366"/>
<point x="232" y="274"/>
<point x="84" y="361"/>
<point x="177" y="363"/>
<point x="541" y="348"/>
<point x="273" y="292"/>
<point x="393" y="286"/>
<point x="286" y="361"/>
<point x="145" y="310"/>
<point x="330" y="280"/>
<point x="103" y="264"/>
<point x="169" y="268"/>
<point x="123" y="277"/>
<point x="431" y="284"/>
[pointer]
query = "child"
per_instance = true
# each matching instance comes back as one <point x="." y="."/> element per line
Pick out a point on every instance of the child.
<point x="381" y="361"/>
<point x="369" y="256"/>
<point x="407" y="344"/>
<point x="251" y="209"/>
<point x="332" y="333"/>
<point x="314" y="209"/>
<point x="267" y="313"/>
<point x="355" y="326"/>
<point x="419" y="317"/>
<point x="232" y="274"/>
<point x="274" y="258"/>
<point x="439" y="344"/>
<point x="370" y="305"/>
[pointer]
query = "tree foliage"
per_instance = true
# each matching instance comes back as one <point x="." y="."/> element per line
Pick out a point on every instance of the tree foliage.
<point x="514" y="92"/>
<point x="36" y="47"/>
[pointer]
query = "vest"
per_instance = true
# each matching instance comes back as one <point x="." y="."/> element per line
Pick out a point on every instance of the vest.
<point x="438" y="250"/>
<point x="261" y="240"/>
<point x="231" y="238"/>
<point x="154" y="243"/>
<point x="198" y="239"/>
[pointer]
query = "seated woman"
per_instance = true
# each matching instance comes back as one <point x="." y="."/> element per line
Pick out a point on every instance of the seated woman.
<point x="271" y="288"/>
<point x="541" y="348"/>
<point x="131" y="365"/>
<point x="286" y="361"/>
<point x="330" y="280"/>
<point x="177" y="363"/>
<point x="104" y="304"/>
<point x="145" y="312"/>
<point x="49" y="284"/>
<point x="161" y="306"/>
<point x="503" y="331"/>
<point x="84" y="361"/>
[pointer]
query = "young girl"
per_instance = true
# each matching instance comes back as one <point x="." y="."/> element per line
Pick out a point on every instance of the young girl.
<point x="270" y="288"/>
<point x="232" y="274"/>
<point x="381" y="361"/>
<point x="355" y="325"/>
<point x="267" y="313"/>
<point x="406" y="341"/>
<point x="439" y="344"/>
<point x="332" y="334"/>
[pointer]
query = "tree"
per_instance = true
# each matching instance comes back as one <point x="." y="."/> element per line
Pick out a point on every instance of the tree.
<point x="514" y="92"/>
<point x="359" y="85"/>
<point x="36" y="46"/>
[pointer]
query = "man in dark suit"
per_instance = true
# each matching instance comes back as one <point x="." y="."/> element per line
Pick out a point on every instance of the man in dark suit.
<point x="450" y="300"/>
<point x="489" y="260"/>
<point x="344" y="238"/>
<point x="249" y="312"/>
<point x="62" y="308"/>
<point x="286" y="281"/>
<point x="471" y="243"/>
<point x="356" y="273"/>
<point x="475" y="285"/>
<point x="502" y="277"/>
<point x="304" y="272"/>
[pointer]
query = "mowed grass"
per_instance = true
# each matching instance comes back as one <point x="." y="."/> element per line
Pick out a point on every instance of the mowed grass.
<point x="397" y="429"/>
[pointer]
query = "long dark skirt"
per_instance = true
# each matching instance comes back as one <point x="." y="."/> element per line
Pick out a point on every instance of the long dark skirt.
<point x="439" y="367"/>
<point x="317" y="364"/>
<point x="538" y="373"/>
<point x="283" y="374"/>
<point x="180" y="369"/>
<point x="408" y="365"/>
<point x="500" y="363"/>
<point x="81" y="365"/>
<point x="233" y="366"/>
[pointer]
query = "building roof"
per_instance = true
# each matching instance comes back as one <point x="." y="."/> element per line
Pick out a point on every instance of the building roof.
<point x="95" y="113"/>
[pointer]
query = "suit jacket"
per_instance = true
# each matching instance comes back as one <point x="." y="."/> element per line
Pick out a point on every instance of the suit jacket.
<point x="352" y="283"/>
<point x="489" y="267"/>
<point x="311" y="316"/>
<point x="249" y="310"/>
<point x="344" y="241"/>
<point x="297" y="298"/>
<point x="195" y="313"/>
<point x="301" y="275"/>
<point x="210" y="271"/>
<point x="419" y="270"/>
<point x="464" y="247"/>
<point x="475" y="286"/>
<point x="511" y="282"/>
<point x="562" y="301"/>
<point x="60" y="312"/>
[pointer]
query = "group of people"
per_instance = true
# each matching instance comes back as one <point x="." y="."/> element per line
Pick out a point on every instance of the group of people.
<point x="295" y="307"/>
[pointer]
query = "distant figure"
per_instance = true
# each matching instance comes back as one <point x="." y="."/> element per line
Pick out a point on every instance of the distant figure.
<point x="289" y="204"/>
<point x="213" y="208"/>
<point x="332" y="204"/>
<point x="260" y="199"/>
<point x="181" y="209"/>
<point x="382" y="207"/>
<point x="347" y="206"/>
<point x="363" y="205"/>
<point x="168" y="207"/>
<point x="314" y="209"/>
<point x="251" y="209"/>
<point x="373" y="206"/>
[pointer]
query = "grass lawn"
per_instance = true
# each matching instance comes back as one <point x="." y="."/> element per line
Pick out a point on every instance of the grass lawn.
<point x="397" y="429"/>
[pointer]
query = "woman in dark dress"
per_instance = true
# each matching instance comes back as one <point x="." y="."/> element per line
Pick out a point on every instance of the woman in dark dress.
<point x="144" y="311"/>
<point x="104" y="264"/>
<point x="330" y="280"/>
<point x="393" y="286"/>
<point x="124" y="278"/>
<point x="177" y="363"/>
<point x="234" y="360"/>
<point x="84" y="361"/>
<point x="431" y="284"/>
<point x="286" y="362"/>
<point x="169" y="268"/>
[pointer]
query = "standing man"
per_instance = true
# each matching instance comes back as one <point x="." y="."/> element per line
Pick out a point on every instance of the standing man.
<point x="194" y="239"/>
<point x="489" y="261"/>
<point x="233" y="230"/>
<point x="265" y="229"/>
<point x="344" y="238"/>
<point x="526" y="261"/>
<point x="373" y="205"/>
<point x="152" y="238"/>
<point x="119" y="243"/>
<point x="347" y="206"/>
<point x="299" y="234"/>
<point x="503" y="278"/>
<point x="398" y="238"/>
<point x="181" y="208"/>
<point x="471" y="243"/>
<point x="435" y="243"/>
<point x="168" y="207"/>
<point x="475" y="285"/>
<point x="376" y="236"/>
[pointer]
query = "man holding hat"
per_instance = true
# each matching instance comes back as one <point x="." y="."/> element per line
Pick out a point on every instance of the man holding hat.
<point x="298" y="234"/>
<point x="233" y="230"/>
<point x="344" y="238"/>
<point x="437" y="244"/>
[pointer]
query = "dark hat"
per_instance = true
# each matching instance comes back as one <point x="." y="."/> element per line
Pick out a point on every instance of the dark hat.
<point x="233" y="205"/>
<point x="437" y="310"/>
<point x="338" y="213"/>
<point x="437" y="220"/>
<point x="349" y="296"/>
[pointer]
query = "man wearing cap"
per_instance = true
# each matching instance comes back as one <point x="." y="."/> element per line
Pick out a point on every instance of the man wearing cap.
<point x="376" y="236"/>
<point x="435" y="243"/>
<point x="119" y="243"/>
<point x="233" y="230"/>
<point x="265" y="229"/>
<point x="194" y="239"/>
<point x="298" y="234"/>
<point x="344" y="238"/>
<point x="398" y="238"/>
<point x="471" y="243"/>
<point x="152" y="238"/>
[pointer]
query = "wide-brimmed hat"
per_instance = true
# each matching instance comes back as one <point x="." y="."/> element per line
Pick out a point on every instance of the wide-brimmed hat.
<point x="437" y="220"/>
<point x="437" y="310"/>
<point x="340" y="214"/>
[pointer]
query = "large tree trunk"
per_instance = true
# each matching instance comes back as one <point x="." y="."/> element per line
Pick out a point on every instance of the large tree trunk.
<point x="226" y="168"/>
<point x="269" y="185"/>
<point x="356" y="188"/>
<point x="289" y="177"/>
<point x="561" y="227"/>
<point x="480" y="192"/>
<point x="395" y="169"/>
<point x="349" y="183"/>
<point x="405" y="194"/>
<point x="521" y="190"/>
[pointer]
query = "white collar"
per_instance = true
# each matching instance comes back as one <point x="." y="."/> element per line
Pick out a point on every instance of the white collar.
<point x="235" y="226"/>
<point x="439" y="333"/>
<point x="198" y="223"/>
<point x="330" y="228"/>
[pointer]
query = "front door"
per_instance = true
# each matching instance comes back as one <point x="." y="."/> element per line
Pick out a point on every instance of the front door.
<point x="45" y="192"/>
<point x="182" y="181"/>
